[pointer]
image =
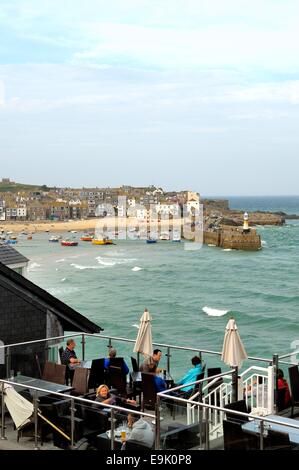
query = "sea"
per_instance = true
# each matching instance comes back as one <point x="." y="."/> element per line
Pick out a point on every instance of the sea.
<point x="190" y="294"/>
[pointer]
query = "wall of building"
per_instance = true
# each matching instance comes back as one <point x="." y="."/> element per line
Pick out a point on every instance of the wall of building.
<point x="21" y="321"/>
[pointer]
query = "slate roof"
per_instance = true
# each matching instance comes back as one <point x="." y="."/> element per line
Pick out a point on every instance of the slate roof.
<point x="70" y="319"/>
<point x="9" y="256"/>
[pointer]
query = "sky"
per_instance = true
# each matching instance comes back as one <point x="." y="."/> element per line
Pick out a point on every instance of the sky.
<point x="183" y="94"/>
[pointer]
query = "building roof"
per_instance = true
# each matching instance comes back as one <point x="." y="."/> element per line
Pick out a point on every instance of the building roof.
<point x="70" y="319"/>
<point x="10" y="256"/>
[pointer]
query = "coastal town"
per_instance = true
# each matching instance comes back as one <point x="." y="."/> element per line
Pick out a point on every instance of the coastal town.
<point x="28" y="203"/>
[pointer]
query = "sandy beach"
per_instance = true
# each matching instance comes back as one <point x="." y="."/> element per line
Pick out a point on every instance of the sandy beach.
<point x="89" y="225"/>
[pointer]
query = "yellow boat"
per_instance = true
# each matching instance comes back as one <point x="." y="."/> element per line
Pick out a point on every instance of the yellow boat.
<point x="104" y="241"/>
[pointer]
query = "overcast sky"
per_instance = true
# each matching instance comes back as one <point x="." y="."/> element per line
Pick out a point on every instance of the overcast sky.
<point x="199" y="94"/>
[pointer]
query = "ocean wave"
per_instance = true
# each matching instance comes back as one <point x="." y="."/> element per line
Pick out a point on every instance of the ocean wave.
<point x="63" y="279"/>
<point x="32" y="266"/>
<point x="227" y="249"/>
<point x="62" y="290"/>
<point x="60" y="260"/>
<point x="264" y="243"/>
<point x="113" y="261"/>
<point x="80" y="266"/>
<point x="136" y="268"/>
<point x="135" y="325"/>
<point x="213" y="312"/>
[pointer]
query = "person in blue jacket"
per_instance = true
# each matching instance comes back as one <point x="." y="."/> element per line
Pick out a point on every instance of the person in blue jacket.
<point x="112" y="354"/>
<point x="191" y="375"/>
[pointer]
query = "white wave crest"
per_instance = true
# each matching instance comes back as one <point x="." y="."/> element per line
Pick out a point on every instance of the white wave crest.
<point x="63" y="279"/>
<point x="60" y="260"/>
<point x="113" y="261"/>
<point x="62" y="290"/>
<point x="32" y="266"/>
<point x="136" y="268"/>
<point x="227" y="249"/>
<point x="135" y="325"/>
<point x="264" y="243"/>
<point x="80" y="266"/>
<point x="213" y="312"/>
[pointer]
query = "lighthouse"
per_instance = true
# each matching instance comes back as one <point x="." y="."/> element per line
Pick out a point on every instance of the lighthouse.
<point x="245" y="223"/>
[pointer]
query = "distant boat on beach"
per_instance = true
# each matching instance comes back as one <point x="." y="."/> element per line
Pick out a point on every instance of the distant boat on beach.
<point x="53" y="239"/>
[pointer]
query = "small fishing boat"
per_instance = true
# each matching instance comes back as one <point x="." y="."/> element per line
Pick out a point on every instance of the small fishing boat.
<point x="86" y="238"/>
<point x="164" y="236"/>
<point x="151" y="240"/>
<point x="11" y="242"/>
<point x="103" y="241"/>
<point x="68" y="243"/>
<point x="53" y="239"/>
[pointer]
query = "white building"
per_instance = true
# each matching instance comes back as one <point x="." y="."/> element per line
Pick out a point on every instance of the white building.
<point x="21" y="212"/>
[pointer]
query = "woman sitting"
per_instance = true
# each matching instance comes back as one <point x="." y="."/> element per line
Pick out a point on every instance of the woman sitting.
<point x="104" y="396"/>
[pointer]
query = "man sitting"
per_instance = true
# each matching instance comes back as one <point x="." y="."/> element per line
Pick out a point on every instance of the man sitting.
<point x="152" y="360"/>
<point x="141" y="432"/>
<point x="112" y="354"/>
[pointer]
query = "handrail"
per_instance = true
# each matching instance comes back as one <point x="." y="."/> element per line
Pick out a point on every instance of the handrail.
<point x="115" y="338"/>
<point x="199" y="381"/>
<point x="225" y="410"/>
<point x="261" y="369"/>
<point x="84" y="400"/>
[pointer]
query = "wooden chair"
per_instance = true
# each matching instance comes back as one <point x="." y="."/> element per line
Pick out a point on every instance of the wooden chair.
<point x="54" y="373"/>
<point x="80" y="381"/>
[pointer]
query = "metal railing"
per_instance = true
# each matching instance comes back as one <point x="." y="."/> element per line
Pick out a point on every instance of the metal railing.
<point x="73" y="400"/>
<point x="205" y="410"/>
<point x="168" y="347"/>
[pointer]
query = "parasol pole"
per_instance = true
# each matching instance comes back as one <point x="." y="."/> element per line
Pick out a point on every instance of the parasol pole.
<point x="55" y="427"/>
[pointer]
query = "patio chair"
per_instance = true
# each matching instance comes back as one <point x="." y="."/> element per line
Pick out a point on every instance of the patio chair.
<point x="134" y="364"/>
<point x="237" y="406"/>
<point x="294" y="384"/>
<point x="149" y="391"/>
<point x="54" y="373"/>
<point x="277" y="441"/>
<point x="97" y="374"/>
<point x="236" y="439"/>
<point x="80" y="381"/>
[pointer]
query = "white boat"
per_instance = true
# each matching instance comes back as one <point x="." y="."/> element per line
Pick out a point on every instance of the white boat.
<point x="164" y="236"/>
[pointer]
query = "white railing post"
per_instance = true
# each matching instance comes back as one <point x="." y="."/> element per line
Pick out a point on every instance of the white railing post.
<point x="271" y="385"/>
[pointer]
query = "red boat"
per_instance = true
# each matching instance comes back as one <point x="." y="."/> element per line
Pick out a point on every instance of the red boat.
<point x="68" y="243"/>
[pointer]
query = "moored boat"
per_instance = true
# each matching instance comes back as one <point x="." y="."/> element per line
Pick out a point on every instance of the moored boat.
<point x="151" y="240"/>
<point x="86" y="238"/>
<point x="53" y="239"/>
<point x="68" y="243"/>
<point x="103" y="241"/>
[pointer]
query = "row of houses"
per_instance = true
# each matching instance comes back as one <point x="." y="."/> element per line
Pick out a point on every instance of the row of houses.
<point x="124" y="202"/>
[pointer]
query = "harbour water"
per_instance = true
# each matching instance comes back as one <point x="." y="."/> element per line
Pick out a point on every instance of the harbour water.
<point x="113" y="284"/>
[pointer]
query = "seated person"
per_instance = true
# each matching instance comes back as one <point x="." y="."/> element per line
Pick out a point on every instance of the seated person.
<point x="151" y="360"/>
<point x="282" y="383"/>
<point x="104" y="396"/>
<point x="160" y="383"/>
<point x="191" y="375"/>
<point x="68" y="356"/>
<point x="141" y="432"/>
<point x="112" y="354"/>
